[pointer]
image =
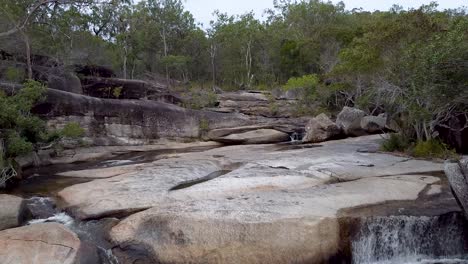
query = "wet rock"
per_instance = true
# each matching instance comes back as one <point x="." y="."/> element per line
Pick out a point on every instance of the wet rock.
<point x="349" y="120"/>
<point x="374" y="124"/>
<point x="12" y="210"/>
<point x="49" y="243"/>
<point x="320" y="128"/>
<point x="101" y="172"/>
<point x="259" y="136"/>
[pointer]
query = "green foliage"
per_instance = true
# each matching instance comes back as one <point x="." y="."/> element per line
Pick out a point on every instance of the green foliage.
<point x="19" y="129"/>
<point x="117" y="91"/>
<point x="201" y="98"/>
<point x="410" y="63"/>
<point x="13" y="74"/>
<point x="307" y="87"/>
<point x="72" y="130"/>
<point x="203" y="126"/>
<point x="304" y="82"/>
<point x="395" y="142"/>
<point x="433" y="149"/>
<point x="17" y="145"/>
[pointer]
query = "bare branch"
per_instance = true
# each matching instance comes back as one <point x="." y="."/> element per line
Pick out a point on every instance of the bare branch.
<point x="22" y="25"/>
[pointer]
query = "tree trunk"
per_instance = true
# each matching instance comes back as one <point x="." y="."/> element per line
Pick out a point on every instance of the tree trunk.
<point x="125" y="63"/>
<point x="213" y="68"/>
<point x="248" y="62"/>
<point x="28" y="54"/>
<point x="163" y="35"/>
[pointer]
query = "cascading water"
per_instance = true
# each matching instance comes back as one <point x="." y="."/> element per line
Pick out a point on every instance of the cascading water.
<point x="296" y="137"/>
<point x="43" y="210"/>
<point x="411" y="239"/>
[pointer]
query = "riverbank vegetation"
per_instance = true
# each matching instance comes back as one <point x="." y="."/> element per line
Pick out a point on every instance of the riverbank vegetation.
<point x="411" y="64"/>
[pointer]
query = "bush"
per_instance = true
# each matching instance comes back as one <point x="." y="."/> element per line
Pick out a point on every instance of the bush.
<point x="20" y="130"/>
<point x="305" y="82"/>
<point x="432" y="149"/>
<point x="204" y="127"/>
<point x="200" y="99"/>
<point x="72" y="130"/>
<point x="13" y="74"/>
<point x="17" y="145"/>
<point x="396" y="142"/>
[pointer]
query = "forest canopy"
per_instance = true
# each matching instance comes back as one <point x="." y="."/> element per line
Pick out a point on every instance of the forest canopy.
<point x="408" y="63"/>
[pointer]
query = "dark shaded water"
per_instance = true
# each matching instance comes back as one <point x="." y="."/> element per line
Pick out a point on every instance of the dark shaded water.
<point x="43" y="181"/>
<point x="41" y="185"/>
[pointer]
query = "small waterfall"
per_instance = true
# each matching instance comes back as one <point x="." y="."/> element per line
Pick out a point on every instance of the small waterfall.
<point x="296" y="137"/>
<point x="411" y="239"/>
<point x="93" y="233"/>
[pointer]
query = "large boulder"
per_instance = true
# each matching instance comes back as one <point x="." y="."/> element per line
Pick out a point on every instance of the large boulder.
<point x="131" y="122"/>
<point x="259" y="136"/>
<point x="374" y="124"/>
<point x="12" y="209"/>
<point x="65" y="81"/>
<point x="263" y="221"/>
<point x="349" y="120"/>
<point x="49" y="243"/>
<point x="256" y="104"/>
<point x="115" y="88"/>
<point x="320" y="128"/>
<point x="457" y="174"/>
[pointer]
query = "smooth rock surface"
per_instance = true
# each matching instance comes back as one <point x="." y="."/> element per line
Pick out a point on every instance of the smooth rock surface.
<point x="256" y="165"/>
<point x="259" y="136"/>
<point x="267" y="226"/>
<point x="374" y="124"/>
<point x="349" y="119"/>
<point x="48" y="243"/>
<point x="11" y="211"/>
<point x="320" y="128"/>
<point x="133" y="192"/>
<point x="269" y="204"/>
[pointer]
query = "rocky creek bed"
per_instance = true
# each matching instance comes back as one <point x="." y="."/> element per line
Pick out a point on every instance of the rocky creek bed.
<point x="337" y="202"/>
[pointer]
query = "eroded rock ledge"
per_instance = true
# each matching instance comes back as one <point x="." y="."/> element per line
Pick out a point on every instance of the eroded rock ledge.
<point x="271" y="204"/>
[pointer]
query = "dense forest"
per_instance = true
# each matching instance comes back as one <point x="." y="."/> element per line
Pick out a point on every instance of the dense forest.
<point x="411" y="64"/>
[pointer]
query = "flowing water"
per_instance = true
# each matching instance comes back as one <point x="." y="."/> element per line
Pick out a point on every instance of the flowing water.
<point x="379" y="240"/>
<point x="91" y="233"/>
<point x="411" y="239"/>
<point x="41" y="185"/>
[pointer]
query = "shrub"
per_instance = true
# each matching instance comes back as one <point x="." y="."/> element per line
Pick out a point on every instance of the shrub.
<point x="17" y="145"/>
<point x="72" y="130"/>
<point x="19" y="128"/>
<point x="305" y="82"/>
<point x="432" y="148"/>
<point x="200" y="99"/>
<point x="13" y="74"/>
<point x="395" y="142"/>
<point x="204" y="126"/>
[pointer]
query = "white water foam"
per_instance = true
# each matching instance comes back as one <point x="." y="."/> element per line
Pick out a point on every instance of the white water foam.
<point x="411" y="239"/>
<point x="61" y="218"/>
